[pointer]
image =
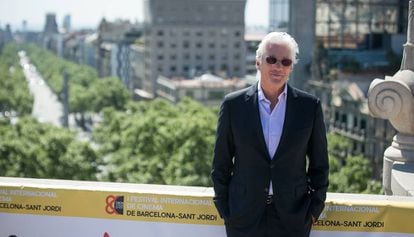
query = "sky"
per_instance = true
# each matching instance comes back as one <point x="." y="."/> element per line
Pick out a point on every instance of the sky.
<point x="88" y="13"/>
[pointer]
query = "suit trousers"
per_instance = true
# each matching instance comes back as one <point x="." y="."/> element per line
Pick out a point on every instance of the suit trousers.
<point x="270" y="225"/>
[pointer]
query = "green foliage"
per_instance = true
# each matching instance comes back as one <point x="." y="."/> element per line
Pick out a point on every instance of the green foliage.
<point x="109" y="92"/>
<point x="158" y="142"/>
<point x="145" y="142"/>
<point x="80" y="99"/>
<point x="349" y="174"/>
<point x="14" y="91"/>
<point x="31" y="149"/>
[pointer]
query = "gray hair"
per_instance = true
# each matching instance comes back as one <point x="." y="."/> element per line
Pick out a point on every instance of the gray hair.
<point x="279" y="38"/>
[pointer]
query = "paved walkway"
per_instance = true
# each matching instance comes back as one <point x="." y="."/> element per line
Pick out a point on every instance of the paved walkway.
<point x="46" y="108"/>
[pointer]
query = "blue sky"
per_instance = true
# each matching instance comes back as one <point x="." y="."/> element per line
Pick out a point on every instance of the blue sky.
<point x="89" y="12"/>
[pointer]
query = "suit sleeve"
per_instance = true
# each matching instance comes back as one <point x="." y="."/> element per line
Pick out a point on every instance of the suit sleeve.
<point x="318" y="170"/>
<point x="223" y="160"/>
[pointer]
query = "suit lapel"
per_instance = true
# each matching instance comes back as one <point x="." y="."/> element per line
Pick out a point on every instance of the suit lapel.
<point x="254" y="119"/>
<point x="289" y="118"/>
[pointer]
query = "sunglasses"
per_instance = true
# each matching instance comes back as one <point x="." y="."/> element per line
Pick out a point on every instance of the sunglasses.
<point x="272" y="60"/>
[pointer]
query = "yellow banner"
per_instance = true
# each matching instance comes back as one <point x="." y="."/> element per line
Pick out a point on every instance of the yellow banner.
<point x="343" y="212"/>
<point x="110" y="205"/>
<point x="366" y="216"/>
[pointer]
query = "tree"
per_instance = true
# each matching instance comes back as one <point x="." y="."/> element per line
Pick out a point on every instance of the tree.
<point x="349" y="174"/>
<point x="14" y="92"/>
<point x="31" y="149"/>
<point x="158" y="142"/>
<point x="109" y="92"/>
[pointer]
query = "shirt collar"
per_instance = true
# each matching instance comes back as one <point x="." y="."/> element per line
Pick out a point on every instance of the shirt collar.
<point x="261" y="95"/>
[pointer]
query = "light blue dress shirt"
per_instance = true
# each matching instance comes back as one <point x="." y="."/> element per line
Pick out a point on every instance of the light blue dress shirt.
<point x="272" y="121"/>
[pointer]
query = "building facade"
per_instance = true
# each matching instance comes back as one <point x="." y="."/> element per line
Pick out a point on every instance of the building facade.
<point x="137" y="66"/>
<point x="360" y="24"/>
<point x="279" y="15"/>
<point x="207" y="89"/>
<point x="297" y="17"/>
<point x="190" y="37"/>
<point x="357" y="41"/>
<point x="51" y="39"/>
<point x="114" y="42"/>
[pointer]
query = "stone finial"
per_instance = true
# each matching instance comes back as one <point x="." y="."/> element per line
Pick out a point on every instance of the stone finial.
<point x="393" y="99"/>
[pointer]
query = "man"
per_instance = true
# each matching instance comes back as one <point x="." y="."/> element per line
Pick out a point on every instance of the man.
<point x="270" y="167"/>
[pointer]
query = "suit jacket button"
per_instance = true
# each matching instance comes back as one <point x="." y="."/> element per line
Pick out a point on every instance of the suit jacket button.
<point x="272" y="166"/>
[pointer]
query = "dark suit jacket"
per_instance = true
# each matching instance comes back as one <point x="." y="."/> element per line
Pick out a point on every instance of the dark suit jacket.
<point x="242" y="168"/>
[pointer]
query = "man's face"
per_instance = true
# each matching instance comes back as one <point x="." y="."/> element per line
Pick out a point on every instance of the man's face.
<point x="274" y="76"/>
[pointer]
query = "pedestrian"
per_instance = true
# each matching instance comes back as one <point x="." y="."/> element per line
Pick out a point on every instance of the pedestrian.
<point x="270" y="167"/>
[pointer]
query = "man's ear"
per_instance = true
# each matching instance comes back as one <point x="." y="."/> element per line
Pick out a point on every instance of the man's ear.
<point x="257" y="64"/>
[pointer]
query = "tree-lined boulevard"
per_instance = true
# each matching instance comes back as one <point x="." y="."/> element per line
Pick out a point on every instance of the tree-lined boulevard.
<point x="141" y="142"/>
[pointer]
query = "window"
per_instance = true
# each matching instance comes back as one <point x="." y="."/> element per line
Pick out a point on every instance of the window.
<point x="363" y="124"/>
<point x="343" y="118"/>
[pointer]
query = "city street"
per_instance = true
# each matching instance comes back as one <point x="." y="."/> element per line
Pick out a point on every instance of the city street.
<point x="46" y="107"/>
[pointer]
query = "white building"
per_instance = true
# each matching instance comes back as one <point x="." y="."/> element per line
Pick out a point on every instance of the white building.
<point x="207" y="88"/>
